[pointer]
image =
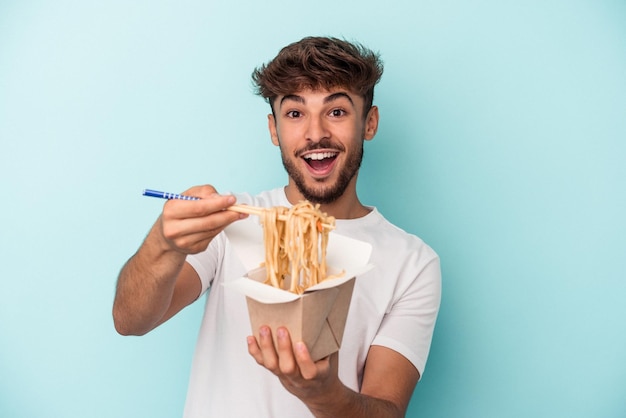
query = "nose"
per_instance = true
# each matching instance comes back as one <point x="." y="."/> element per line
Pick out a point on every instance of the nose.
<point x="317" y="129"/>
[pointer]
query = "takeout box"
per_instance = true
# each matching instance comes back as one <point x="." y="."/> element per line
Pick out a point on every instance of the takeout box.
<point x="318" y="316"/>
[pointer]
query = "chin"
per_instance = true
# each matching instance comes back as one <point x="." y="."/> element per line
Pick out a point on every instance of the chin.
<point x="321" y="195"/>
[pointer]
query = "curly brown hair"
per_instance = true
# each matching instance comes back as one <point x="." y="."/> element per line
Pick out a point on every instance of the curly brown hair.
<point x="320" y="63"/>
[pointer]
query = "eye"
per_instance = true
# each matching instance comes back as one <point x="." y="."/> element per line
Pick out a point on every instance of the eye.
<point x="337" y="113"/>
<point x="293" y="114"/>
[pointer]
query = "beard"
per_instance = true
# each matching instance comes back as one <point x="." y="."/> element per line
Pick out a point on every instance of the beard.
<point x="320" y="192"/>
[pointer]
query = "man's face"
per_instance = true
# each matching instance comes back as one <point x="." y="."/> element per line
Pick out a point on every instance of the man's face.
<point x="320" y="134"/>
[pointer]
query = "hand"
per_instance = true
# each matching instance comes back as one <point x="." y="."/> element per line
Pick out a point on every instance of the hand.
<point x="292" y="364"/>
<point x="188" y="226"/>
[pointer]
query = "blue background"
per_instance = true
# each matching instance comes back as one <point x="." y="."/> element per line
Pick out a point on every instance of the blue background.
<point x="502" y="144"/>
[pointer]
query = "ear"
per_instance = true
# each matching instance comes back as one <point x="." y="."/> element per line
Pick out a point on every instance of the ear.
<point x="271" y="126"/>
<point x="371" y="124"/>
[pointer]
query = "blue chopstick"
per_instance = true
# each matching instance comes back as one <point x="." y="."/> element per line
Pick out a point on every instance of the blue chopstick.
<point x="166" y="195"/>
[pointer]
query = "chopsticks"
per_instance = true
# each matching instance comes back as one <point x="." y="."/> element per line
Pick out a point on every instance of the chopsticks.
<point x="251" y="210"/>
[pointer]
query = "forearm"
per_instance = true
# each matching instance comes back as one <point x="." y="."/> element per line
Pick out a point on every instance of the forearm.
<point x="346" y="403"/>
<point x="145" y="286"/>
<point x="154" y="284"/>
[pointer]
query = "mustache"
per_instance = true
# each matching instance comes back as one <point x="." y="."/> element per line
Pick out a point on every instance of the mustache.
<point x="322" y="144"/>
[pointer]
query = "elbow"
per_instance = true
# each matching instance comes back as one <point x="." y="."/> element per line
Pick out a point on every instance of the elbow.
<point x="120" y="326"/>
<point x="125" y="330"/>
<point x="124" y="326"/>
<point x="121" y="329"/>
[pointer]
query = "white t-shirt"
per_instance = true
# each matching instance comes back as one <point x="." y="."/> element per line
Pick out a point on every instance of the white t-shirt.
<point x="393" y="305"/>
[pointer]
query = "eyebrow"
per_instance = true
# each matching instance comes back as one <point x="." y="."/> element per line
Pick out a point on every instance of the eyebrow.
<point x="328" y="99"/>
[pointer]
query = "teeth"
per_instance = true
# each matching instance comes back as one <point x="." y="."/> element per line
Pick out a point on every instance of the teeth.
<point x="320" y="155"/>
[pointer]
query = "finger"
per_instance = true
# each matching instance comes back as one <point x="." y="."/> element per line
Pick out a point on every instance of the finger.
<point x="208" y="193"/>
<point x="194" y="243"/>
<point x="183" y="209"/>
<point x="286" y="359"/>
<point x="202" y="192"/>
<point x="183" y="236"/>
<point x="308" y="368"/>
<point x="191" y="225"/>
<point x="254" y="350"/>
<point x="268" y="351"/>
<point x="187" y="223"/>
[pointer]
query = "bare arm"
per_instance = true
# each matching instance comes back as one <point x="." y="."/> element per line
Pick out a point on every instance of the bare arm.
<point x="390" y="377"/>
<point x="156" y="283"/>
<point x="388" y="384"/>
<point x="388" y="381"/>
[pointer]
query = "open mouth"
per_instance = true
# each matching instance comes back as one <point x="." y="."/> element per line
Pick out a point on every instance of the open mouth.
<point x="320" y="161"/>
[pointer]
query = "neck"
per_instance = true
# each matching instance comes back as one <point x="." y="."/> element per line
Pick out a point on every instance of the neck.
<point x="347" y="206"/>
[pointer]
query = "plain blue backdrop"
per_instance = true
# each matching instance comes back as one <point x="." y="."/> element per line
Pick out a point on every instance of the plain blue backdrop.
<point x="502" y="145"/>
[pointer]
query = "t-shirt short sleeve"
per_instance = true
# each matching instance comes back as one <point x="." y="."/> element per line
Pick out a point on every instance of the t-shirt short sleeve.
<point x="206" y="262"/>
<point x="408" y="326"/>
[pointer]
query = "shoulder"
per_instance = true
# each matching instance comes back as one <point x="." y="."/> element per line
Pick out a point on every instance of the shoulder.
<point x="408" y="242"/>
<point x="385" y="237"/>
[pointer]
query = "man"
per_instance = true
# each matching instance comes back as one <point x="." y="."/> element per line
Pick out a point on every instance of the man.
<point x="320" y="91"/>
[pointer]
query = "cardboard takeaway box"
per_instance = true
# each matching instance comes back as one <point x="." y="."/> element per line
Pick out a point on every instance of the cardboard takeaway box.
<point x="318" y="316"/>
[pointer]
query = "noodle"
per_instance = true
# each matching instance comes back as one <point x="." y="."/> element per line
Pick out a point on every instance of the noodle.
<point x="295" y="245"/>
